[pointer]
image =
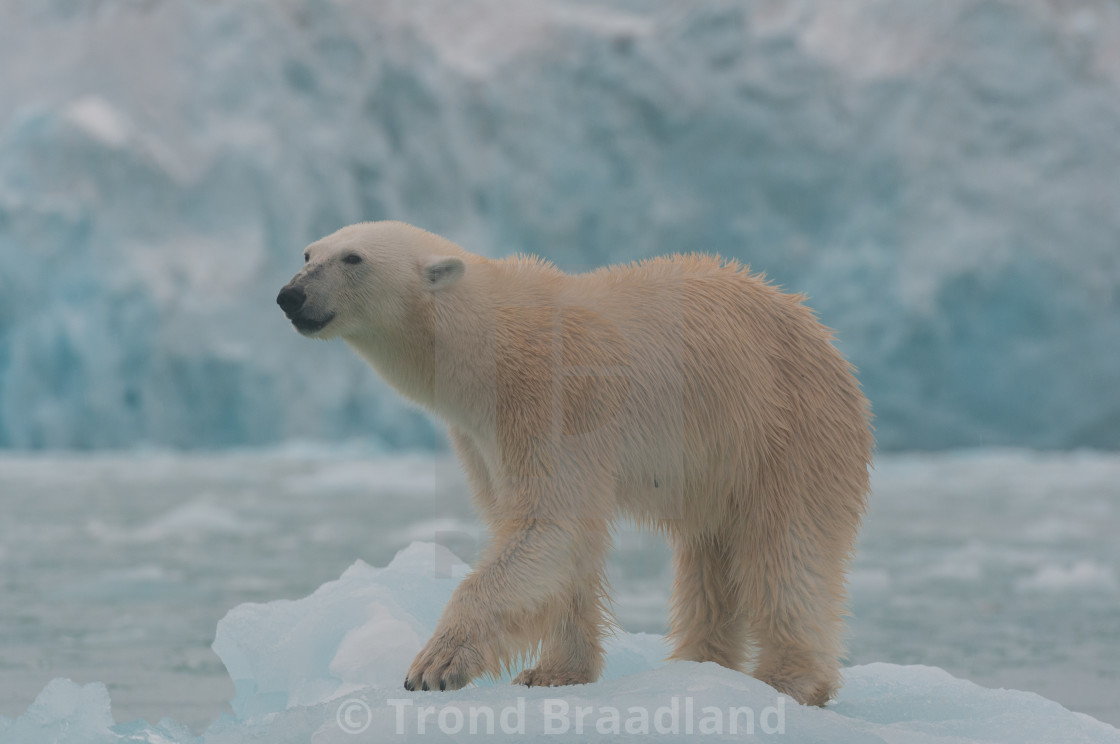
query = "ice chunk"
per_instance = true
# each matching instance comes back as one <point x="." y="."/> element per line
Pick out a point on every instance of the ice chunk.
<point x="358" y="631"/>
<point x="64" y="712"/>
<point x="929" y="704"/>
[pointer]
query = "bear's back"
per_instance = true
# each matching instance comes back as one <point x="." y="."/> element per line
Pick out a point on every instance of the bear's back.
<point x="723" y="371"/>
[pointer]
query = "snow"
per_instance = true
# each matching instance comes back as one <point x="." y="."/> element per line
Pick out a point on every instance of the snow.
<point x="328" y="667"/>
<point x="938" y="177"/>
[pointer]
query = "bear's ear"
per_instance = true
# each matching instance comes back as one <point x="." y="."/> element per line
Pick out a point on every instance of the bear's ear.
<point x="443" y="272"/>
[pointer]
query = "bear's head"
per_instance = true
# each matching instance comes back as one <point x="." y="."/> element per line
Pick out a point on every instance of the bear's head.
<point x="367" y="278"/>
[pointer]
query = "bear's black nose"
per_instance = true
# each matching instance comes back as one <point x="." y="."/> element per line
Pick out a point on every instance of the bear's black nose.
<point x="291" y="299"/>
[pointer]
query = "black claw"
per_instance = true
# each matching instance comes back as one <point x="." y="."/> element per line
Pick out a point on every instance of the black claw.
<point x="442" y="685"/>
<point x="408" y="685"/>
<point x="424" y="687"/>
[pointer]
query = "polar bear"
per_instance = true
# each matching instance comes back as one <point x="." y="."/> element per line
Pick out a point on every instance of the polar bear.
<point x="683" y="392"/>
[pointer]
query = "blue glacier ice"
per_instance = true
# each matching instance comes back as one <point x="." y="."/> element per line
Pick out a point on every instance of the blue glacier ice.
<point x="939" y="178"/>
<point x="328" y="668"/>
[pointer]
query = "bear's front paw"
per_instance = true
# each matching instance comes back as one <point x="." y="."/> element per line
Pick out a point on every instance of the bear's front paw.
<point x="449" y="661"/>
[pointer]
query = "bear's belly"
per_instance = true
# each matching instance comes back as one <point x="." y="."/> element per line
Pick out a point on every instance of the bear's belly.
<point x="671" y="492"/>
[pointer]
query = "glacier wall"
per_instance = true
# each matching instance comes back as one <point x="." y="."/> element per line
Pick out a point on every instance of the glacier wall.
<point x="940" y="178"/>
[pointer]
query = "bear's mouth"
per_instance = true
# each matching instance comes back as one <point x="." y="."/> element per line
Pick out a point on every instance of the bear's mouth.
<point x="308" y="326"/>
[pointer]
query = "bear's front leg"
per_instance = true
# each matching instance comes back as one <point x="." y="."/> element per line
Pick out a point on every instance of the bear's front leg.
<point x="463" y="647"/>
<point x="530" y="564"/>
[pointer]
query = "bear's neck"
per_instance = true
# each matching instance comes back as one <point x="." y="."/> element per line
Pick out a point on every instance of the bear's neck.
<point x="404" y="360"/>
<point x="445" y="357"/>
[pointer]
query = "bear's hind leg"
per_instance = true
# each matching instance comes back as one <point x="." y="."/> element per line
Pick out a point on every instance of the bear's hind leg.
<point x="707" y="623"/>
<point x="796" y="667"/>
<point x="572" y="647"/>
<point x="796" y="621"/>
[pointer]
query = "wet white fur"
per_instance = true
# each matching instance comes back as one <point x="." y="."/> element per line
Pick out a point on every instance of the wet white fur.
<point x="681" y="391"/>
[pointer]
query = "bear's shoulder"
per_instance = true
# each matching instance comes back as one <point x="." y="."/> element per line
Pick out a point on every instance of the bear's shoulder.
<point x="524" y="266"/>
<point x="681" y="266"/>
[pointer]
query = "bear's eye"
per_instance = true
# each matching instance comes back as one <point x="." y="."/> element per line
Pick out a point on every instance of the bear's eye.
<point x="306" y="257"/>
<point x="352" y="259"/>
